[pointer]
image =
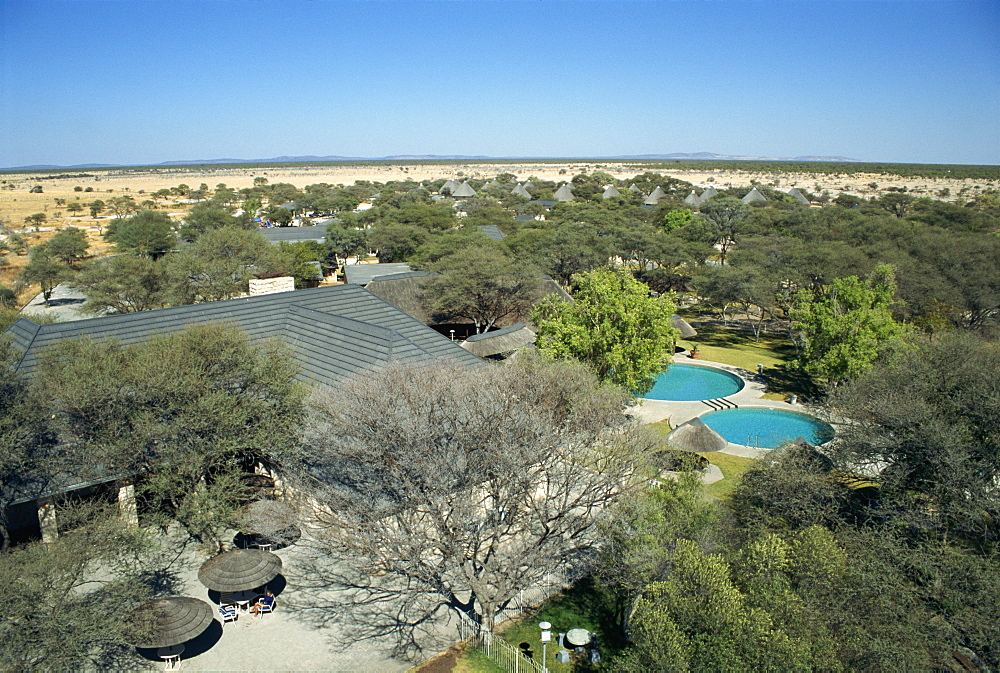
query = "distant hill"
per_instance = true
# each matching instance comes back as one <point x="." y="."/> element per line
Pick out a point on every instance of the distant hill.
<point x="705" y="156"/>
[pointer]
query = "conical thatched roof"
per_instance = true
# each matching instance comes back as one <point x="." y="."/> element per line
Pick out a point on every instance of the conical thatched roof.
<point x="635" y="190"/>
<point x="239" y="570"/>
<point x="529" y="185"/>
<point x="492" y="183"/>
<point x="464" y="190"/>
<point x="754" y="195"/>
<point x="610" y="193"/>
<point x="692" y="199"/>
<point x="170" y="621"/>
<point x="655" y="197"/>
<point x="450" y="186"/>
<point x="696" y="436"/>
<point x="521" y="191"/>
<point x="564" y="193"/>
<point x="683" y="326"/>
<point x="798" y="196"/>
<point x="709" y="193"/>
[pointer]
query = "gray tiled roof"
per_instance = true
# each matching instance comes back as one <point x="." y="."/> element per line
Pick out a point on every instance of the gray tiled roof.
<point x="493" y="231"/>
<point x="334" y="331"/>
<point x="293" y="234"/>
<point x="362" y="274"/>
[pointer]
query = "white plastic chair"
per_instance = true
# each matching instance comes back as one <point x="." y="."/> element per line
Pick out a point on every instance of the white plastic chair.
<point x="229" y="613"/>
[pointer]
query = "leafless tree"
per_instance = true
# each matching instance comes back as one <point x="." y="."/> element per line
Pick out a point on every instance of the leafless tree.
<point x="441" y="486"/>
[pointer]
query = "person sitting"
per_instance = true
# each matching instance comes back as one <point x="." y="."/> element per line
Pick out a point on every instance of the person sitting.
<point x="265" y="603"/>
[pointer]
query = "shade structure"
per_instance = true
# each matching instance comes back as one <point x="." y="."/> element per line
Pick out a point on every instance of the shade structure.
<point x="696" y="436"/>
<point x="239" y="570"/>
<point x="683" y="327"/>
<point x="171" y="621"/>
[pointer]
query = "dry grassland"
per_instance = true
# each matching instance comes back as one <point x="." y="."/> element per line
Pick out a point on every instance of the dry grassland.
<point x="17" y="203"/>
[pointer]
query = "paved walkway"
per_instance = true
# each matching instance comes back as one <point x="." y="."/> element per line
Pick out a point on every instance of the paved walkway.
<point x="64" y="304"/>
<point x="310" y="629"/>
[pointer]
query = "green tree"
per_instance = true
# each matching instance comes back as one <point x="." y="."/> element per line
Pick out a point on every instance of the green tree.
<point x="482" y="286"/>
<point x="205" y="216"/>
<point x="845" y="331"/>
<point x="725" y="215"/>
<point x="613" y="326"/>
<point x="928" y="413"/>
<point x="123" y="284"/>
<point x="122" y="206"/>
<point x="190" y="410"/>
<point x="88" y="578"/>
<point x="343" y="242"/>
<point x="36" y="220"/>
<point x="149" y="233"/>
<point x="570" y="249"/>
<point x="219" y="264"/>
<point x="74" y="207"/>
<point x="96" y="207"/>
<point x="45" y="271"/>
<point x="698" y="619"/>
<point x="69" y="245"/>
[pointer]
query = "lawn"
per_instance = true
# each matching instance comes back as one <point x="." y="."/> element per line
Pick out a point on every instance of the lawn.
<point x="732" y="468"/>
<point x="738" y="348"/>
<point x="583" y="606"/>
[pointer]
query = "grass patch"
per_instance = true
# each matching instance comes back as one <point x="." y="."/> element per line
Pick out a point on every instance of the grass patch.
<point x="733" y="468"/>
<point x="737" y="348"/>
<point x="584" y="606"/>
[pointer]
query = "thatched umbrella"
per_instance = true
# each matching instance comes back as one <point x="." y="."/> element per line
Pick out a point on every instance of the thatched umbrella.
<point x="171" y="621"/>
<point x="696" y="436"/>
<point x="683" y="326"/>
<point x="239" y="570"/>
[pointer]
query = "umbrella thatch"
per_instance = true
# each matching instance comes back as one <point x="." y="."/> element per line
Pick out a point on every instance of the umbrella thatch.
<point x="170" y="621"/>
<point x="696" y="436"/>
<point x="239" y="570"/>
<point x="683" y="327"/>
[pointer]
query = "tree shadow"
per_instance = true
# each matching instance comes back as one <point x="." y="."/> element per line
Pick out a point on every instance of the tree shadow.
<point x="411" y="622"/>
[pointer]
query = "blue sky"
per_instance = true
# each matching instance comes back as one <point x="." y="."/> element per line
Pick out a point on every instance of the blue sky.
<point x="89" y="81"/>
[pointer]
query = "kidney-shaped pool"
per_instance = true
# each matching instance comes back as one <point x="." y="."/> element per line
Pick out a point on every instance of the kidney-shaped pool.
<point x="691" y="383"/>
<point x="767" y="428"/>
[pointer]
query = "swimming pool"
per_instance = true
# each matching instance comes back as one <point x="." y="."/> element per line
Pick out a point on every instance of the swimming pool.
<point x="690" y="383"/>
<point x="767" y="428"/>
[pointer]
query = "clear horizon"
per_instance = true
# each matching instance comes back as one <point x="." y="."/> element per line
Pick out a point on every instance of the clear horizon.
<point x="146" y="82"/>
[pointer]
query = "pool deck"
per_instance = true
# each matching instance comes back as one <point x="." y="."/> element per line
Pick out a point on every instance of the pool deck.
<point x="677" y="413"/>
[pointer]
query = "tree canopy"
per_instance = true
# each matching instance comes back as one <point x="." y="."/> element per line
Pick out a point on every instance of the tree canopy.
<point x="612" y="325"/>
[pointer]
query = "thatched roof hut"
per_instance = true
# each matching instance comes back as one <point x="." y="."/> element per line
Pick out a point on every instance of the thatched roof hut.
<point x="520" y="191"/>
<point x="500" y="341"/>
<point x="450" y="186"/>
<point x="798" y="196"/>
<point x="635" y="190"/>
<point x="464" y="190"/>
<point x="683" y="327"/>
<point x="696" y="436"/>
<point x="692" y="199"/>
<point x="564" y="193"/>
<point x="709" y="193"/>
<point x="610" y="193"/>
<point x="655" y="197"/>
<point x="753" y="196"/>
<point x="405" y="291"/>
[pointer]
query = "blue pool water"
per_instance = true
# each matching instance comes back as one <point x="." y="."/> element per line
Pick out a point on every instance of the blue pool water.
<point x="767" y="428"/>
<point x="686" y="383"/>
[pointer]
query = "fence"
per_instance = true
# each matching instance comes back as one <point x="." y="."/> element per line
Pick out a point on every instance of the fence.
<point x="505" y="655"/>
